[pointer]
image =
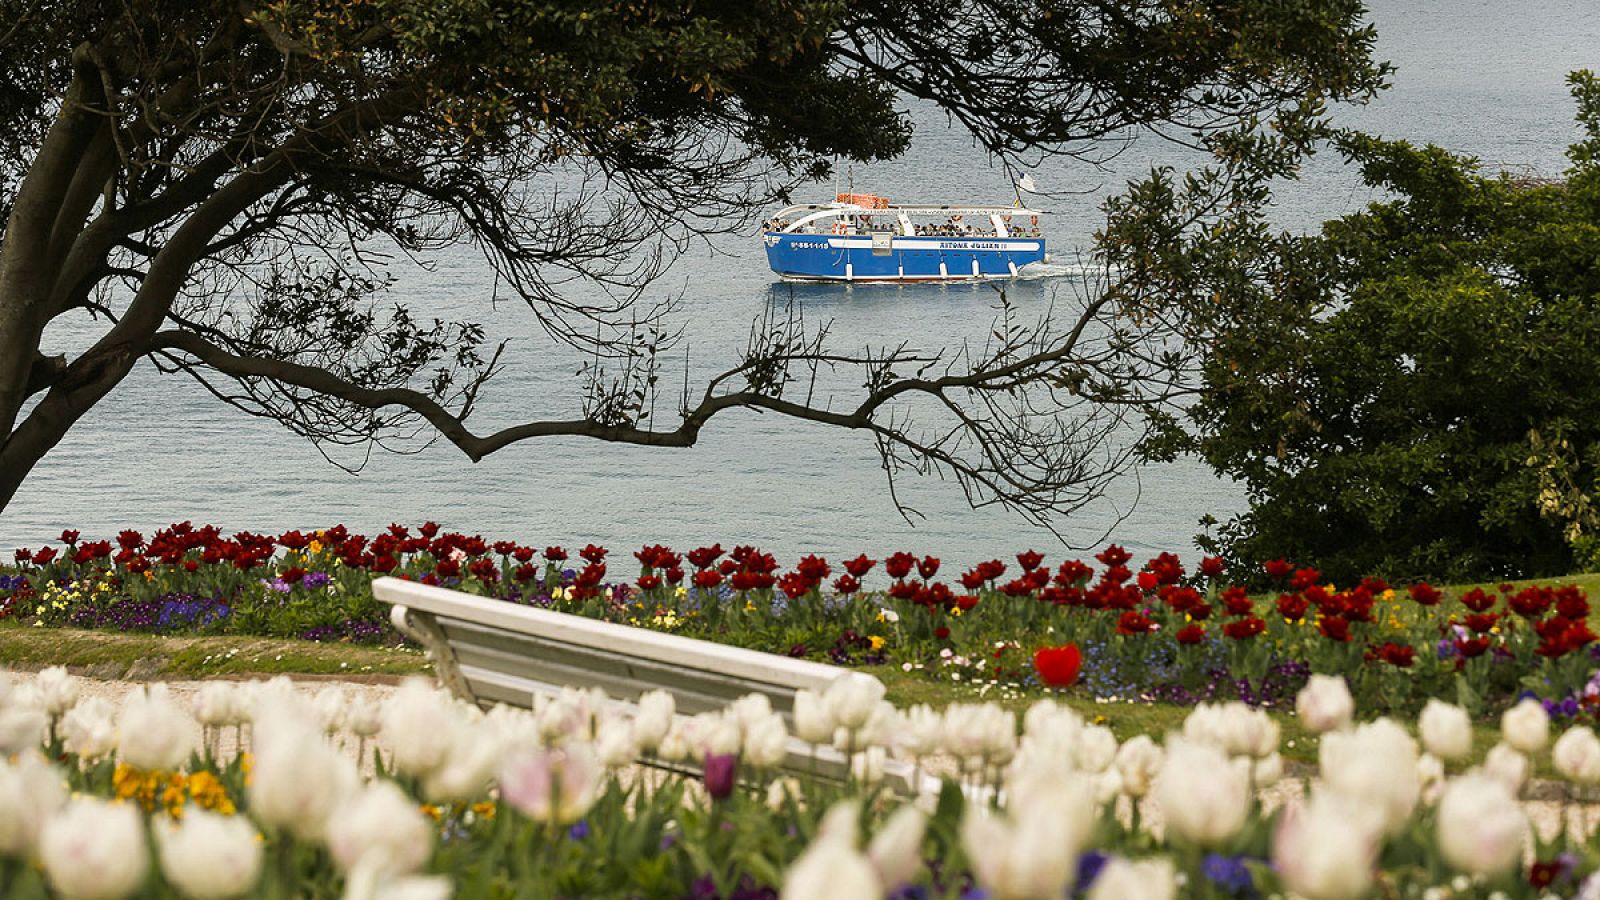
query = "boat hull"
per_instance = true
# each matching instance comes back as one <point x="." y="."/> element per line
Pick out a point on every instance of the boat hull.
<point x="886" y="258"/>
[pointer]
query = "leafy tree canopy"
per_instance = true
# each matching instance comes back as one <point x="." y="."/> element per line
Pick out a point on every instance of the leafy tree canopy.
<point x="207" y="176"/>
<point x="1412" y="391"/>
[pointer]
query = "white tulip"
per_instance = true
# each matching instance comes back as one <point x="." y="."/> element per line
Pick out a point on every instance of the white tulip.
<point x="1052" y="730"/>
<point x="813" y="718"/>
<point x="1204" y="725"/>
<point x="153" y="732"/>
<point x="89" y="729"/>
<point x="31" y="791"/>
<point x="1376" y="765"/>
<point x="275" y="697"/>
<point x="615" y="743"/>
<point x="297" y="779"/>
<point x="879" y="728"/>
<point x="1526" y="726"/>
<point x="1247" y="731"/>
<point x="418" y="725"/>
<point x="852" y="699"/>
<point x="1047" y="717"/>
<point x="980" y="734"/>
<point x="766" y="742"/>
<point x="1577" y="755"/>
<point x="371" y="879"/>
<point x="332" y="708"/>
<point x="94" y="850"/>
<point x="208" y="856"/>
<point x="919" y="733"/>
<point x="364" y="717"/>
<point x="867" y="765"/>
<point x="473" y="759"/>
<point x="1139" y="762"/>
<point x="785" y="790"/>
<point x="58" y="691"/>
<point x="1482" y="829"/>
<point x="831" y="869"/>
<point x="1097" y="749"/>
<point x="1267" y="772"/>
<point x="555" y="786"/>
<point x="1323" y="851"/>
<point x="675" y="746"/>
<point x="653" y="720"/>
<point x="717" y="735"/>
<point x="218" y="704"/>
<point x="842" y="822"/>
<point x="999" y="730"/>
<point x="1202" y="796"/>
<point x="1147" y="879"/>
<point x="896" y="850"/>
<point x="1430" y="771"/>
<point x="749" y="709"/>
<point x="1446" y="731"/>
<point x="381" y="823"/>
<point x="1506" y="765"/>
<point x="1107" y="786"/>
<point x="1042" y="785"/>
<point x="1029" y="854"/>
<point x="1325" y="704"/>
<point x="21" y="728"/>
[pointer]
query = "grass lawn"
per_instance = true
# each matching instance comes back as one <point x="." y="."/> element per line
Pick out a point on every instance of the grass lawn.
<point x="113" y="655"/>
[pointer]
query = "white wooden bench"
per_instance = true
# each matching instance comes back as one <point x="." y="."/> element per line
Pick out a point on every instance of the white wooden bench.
<point x="488" y="651"/>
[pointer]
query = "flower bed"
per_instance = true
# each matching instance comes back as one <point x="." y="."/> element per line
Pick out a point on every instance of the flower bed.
<point x="106" y="801"/>
<point x="1156" y="633"/>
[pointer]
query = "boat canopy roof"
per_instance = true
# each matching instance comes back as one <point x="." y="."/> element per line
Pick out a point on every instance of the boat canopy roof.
<point x="911" y="210"/>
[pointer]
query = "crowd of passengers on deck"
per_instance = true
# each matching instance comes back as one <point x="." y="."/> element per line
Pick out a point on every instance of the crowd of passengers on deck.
<point x="951" y="227"/>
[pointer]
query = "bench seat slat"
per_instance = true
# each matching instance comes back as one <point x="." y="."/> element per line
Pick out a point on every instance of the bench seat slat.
<point x="523" y="660"/>
<point x="667" y="649"/>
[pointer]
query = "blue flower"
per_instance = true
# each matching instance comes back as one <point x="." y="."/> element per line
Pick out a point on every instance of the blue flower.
<point x="1229" y="873"/>
<point x="1089" y="866"/>
<point x="579" y="830"/>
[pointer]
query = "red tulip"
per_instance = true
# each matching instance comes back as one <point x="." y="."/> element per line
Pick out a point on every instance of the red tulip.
<point x="899" y="565"/>
<point x="1113" y="556"/>
<point x="1058" y="666"/>
<point x="1211" y="566"/>
<point x="1191" y="634"/>
<point x="1030" y="560"/>
<point x="1425" y="594"/>
<point x="1244" y="628"/>
<point x="860" y="566"/>
<point x="1398" y="655"/>
<point x="1278" y="569"/>
<point x="703" y="557"/>
<point x="1335" y="628"/>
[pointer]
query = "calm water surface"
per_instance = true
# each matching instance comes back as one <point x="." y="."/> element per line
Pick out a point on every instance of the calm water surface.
<point x="1481" y="77"/>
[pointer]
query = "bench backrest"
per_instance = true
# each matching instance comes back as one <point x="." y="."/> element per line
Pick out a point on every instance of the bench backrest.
<point x="502" y="652"/>
<point x="492" y="651"/>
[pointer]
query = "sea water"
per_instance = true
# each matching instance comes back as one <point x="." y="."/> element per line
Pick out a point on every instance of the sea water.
<point x="1481" y="77"/>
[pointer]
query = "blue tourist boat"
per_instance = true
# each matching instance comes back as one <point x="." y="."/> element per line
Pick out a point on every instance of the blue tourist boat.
<point x="865" y="238"/>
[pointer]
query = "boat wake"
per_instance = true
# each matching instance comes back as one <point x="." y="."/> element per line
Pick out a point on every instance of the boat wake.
<point x="1060" y="270"/>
